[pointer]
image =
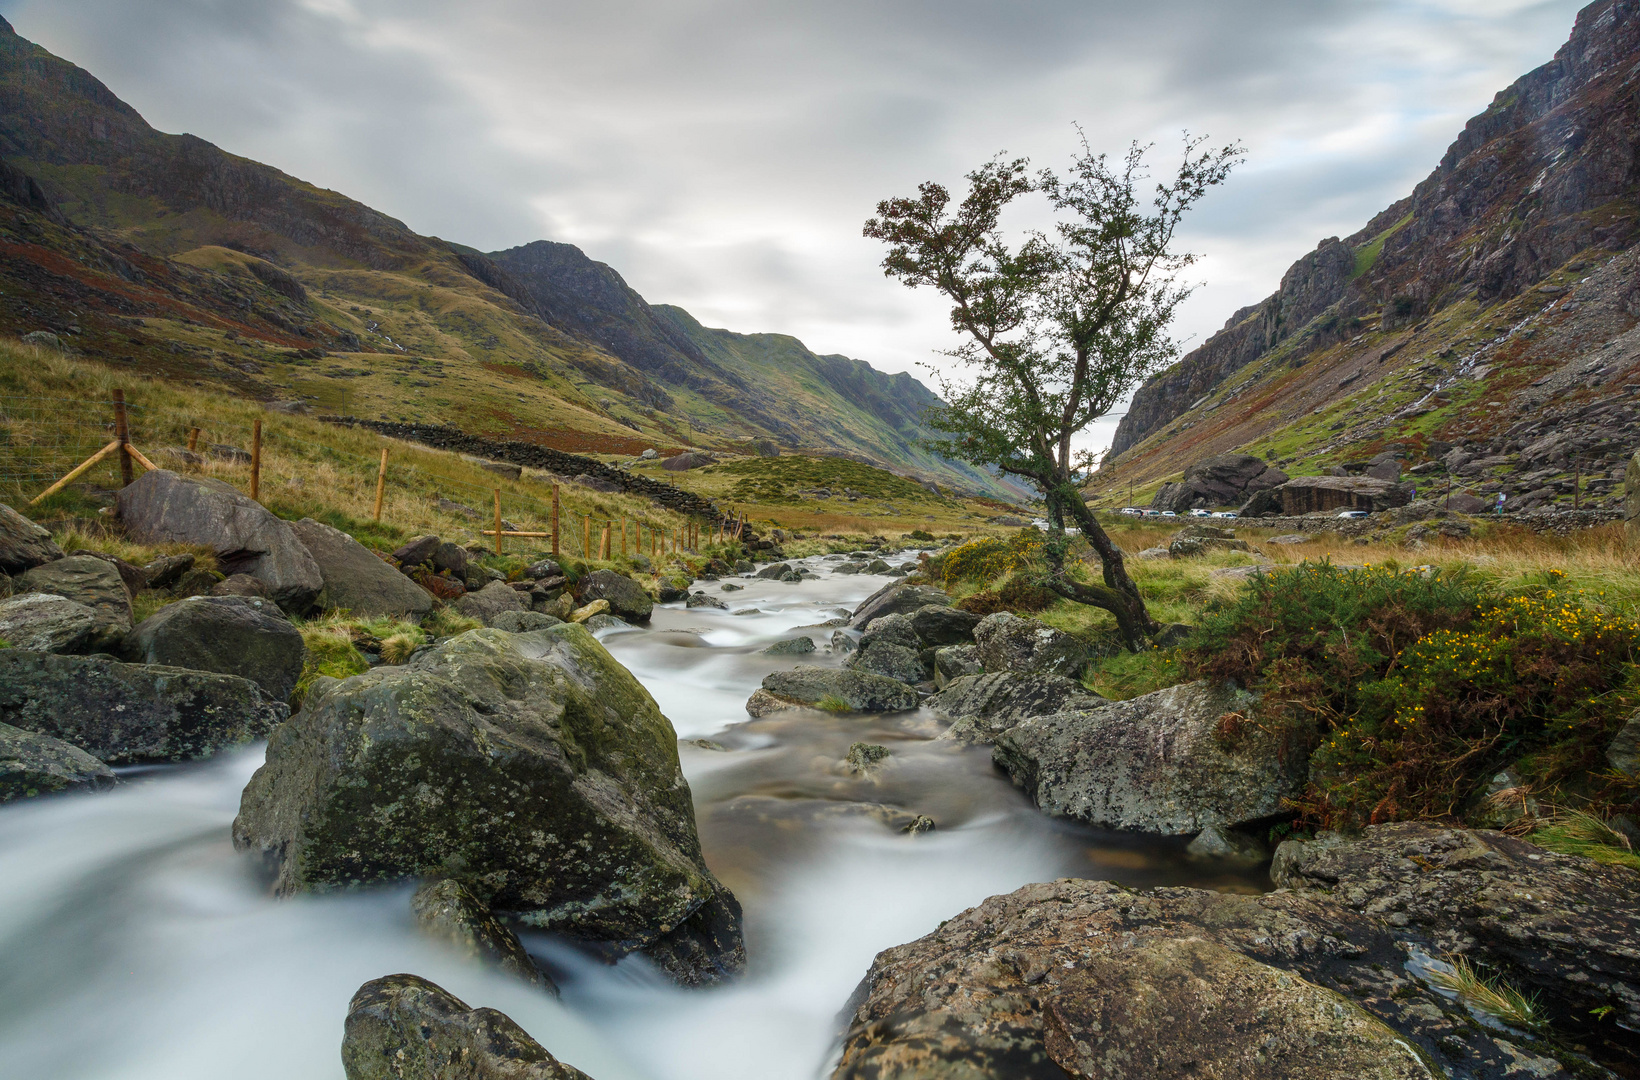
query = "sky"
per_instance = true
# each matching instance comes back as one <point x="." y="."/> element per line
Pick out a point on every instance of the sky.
<point x="724" y="154"/>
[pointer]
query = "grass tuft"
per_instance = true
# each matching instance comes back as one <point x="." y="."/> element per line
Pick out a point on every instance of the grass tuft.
<point x="1491" y="996"/>
<point x="1577" y="832"/>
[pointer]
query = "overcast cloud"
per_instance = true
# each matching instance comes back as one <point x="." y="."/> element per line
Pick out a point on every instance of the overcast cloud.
<point x="723" y="155"/>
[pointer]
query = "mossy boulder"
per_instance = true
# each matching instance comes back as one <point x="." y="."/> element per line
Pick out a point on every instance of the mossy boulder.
<point x="833" y="688"/>
<point x="32" y="764"/>
<point x="532" y="768"/>
<point x="626" y="597"/>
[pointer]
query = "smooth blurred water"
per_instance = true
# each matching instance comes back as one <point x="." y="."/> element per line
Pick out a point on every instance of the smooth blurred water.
<point x="134" y="942"/>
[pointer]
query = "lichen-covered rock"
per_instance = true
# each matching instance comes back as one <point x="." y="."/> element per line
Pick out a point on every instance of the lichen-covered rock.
<point x="132" y="713"/>
<point x="1157" y="763"/>
<point x="626" y="597"/>
<point x="490" y="601"/>
<point x="895" y="598"/>
<point x="1091" y="979"/>
<point x="866" y="758"/>
<point x="1007" y="642"/>
<point x="791" y="646"/>
<point x="702" y="600"/>
<point x="891" y="630"/>
<point x="889" y="660"/>
<point x="44" y="622"/>
<point x="984" y="706"/>
<point x="605" y="621"/>
<point x="775" y="571"/>
<point x="33" y="764"/>
<point x="403" y="1027"/>
<point x="955" y="661"/>
<point x="522" y="622"/>
<point x="1562" y="925"/>
<point x="161" y="507"/>
<point x="91" y="581"/>
<point x="590" y="611"/>
<point x="448" y="911"/>
<point x="234" y="635"/>
<point x="354" y="579"/>
<point x="938" y="625"/>
<point x="23" y="544"/>
<point x="532" y="768"/>
<point x="854" y="691"/>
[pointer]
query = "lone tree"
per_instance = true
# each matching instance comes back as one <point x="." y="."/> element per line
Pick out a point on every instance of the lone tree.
<point x="1057" y="328"/>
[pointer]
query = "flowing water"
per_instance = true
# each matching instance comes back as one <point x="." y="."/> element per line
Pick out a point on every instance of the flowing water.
<point x="134" y="942"/>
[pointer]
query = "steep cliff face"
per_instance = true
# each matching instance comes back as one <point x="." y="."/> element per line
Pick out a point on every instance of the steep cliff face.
<point x="1547" y="171"/>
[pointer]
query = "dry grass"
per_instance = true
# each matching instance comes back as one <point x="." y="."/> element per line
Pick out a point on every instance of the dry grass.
<point x="1576" y="832"/>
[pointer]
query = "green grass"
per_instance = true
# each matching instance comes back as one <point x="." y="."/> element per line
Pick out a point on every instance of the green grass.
<point x="1576" y="832"/>
<point x="1367" y="257"/>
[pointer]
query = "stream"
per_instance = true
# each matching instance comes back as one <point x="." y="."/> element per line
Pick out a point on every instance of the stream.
<point x="135" y="943"/>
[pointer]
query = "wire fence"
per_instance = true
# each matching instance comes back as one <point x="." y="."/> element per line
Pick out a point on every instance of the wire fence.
<point x="42" y="440"/>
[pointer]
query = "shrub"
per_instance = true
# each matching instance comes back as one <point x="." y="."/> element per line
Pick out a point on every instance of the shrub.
<point x="987" y="559"/>
<point x="1016" y="594"/>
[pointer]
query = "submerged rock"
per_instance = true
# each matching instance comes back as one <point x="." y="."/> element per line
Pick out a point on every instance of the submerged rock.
<point x="403" y="1027"/>
<point x="448" y="911"/>
<point x="985" y="706"/>
<point x="865" y="758"/>
<point x="532" y="768"/>
<point x="32" y="764"/>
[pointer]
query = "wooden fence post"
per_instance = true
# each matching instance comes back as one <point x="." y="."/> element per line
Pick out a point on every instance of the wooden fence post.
<point x="256" y="461"/>
<point x="555" y="521"/>
<point x="193" y="439"/>
<point x="498" y="521"/>
<point x="381" y="484"/>
<point x="586" y="538"/>
<point x="623" y="537"/>
<point x="122" y="435"/>
<point x="603" y="543"/>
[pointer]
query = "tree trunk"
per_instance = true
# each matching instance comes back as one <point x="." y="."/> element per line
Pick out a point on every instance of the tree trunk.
<point x="1118" y="595"/>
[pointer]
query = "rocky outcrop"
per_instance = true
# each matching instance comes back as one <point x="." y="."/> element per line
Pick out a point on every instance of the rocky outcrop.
<point x="23" y="544"/>
<point x="985" y="706"/>
<point x="403" y="1027"/>
<point x="161" y="507"/>
<point x="1222" y="480"/>
<point x="532" y="768"/>
<point x="896" y="599"/>
<point x="234" y="635"/>
<point x="93" y="582"/>
<point x="1321" y="494"/>
<point x="354" y="579"/>
<point x="1161" y="763"/>
<point x="626" y="597"/>
<point x="43" y="622"/>
<point x="132" y="713"/>
<point x="842" y="689"/>
<point x="32" y="764"/>
<point x="447" y="911"/>
<point x="1007" y="642"/>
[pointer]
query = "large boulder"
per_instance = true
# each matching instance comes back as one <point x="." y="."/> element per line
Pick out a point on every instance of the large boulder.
<point x="447" y="911"/>
<point x="1562" y="926"/>
<point x="834" y="688"/>
<point x="775" y="571"/>
<point x="1324" y="494"/>
<point x="44" y="622"/>
<point x="91" y="581"/>
<point x="488" y="603"/>
<point x="985" y="706"/>
<point x="889" y="660"/>
<point x="895" y="599"/>
<point x="532" y="768"/>
<point x="132" y="713"/>
<point x="1092" y="979"/>
<point x="402" y="1027"/>
<point x="32" y="764"/>
<point x="354" y="579"/>
<point x="626" y="597"/>
<point x="1222" y="480"/>
<point x="161" y="507"/>
<point x="937" y="625"/>
<point x="234" y="635"/>
<point x="1159" y="763"/>
<point x="23" y="544"/>
<point x="1007" y="642"/>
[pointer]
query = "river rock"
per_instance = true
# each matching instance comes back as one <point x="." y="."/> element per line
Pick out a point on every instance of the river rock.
<point x="44" y="622"/>
<point x="132" y="713"/>
<point x="985" y="706"/>
<point x="605" y="621"/>
<point x="161" y="507"/>
<point x="1092" y="979"/>
<point x="532" y="768"/>
<point x="1563" y="925"/>
<point x="23" y="544"/>
<point x="32" y="764"/>
<point x="403" y="1027"/>
<point x="626" y="597"/>
<point x="90" y="581"/>
<point x="855" y="691"/>
<point x="865" y="758"/>
<point x="791" y="646"/>
<point x="354" y="579"/>
<point x="887" y="659"/>
<point x="234" y="635"/>
<point x="490" y="601"/>
<point x="937" y="625"/>
<point x="522" y="622"/>
<point x="955" y="661"/>
<point x="896" y="598"/>
<point x="1007" y="642"/>
<point x="1156" y="763"/>
<point x="702" y="600"/>
<point x="775" y="571"/>
<point x="891" y="630"/>
<point x="448" y="911"/>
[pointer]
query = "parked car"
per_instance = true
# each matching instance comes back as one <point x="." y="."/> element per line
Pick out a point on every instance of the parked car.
<point x="1131" y="511"/>
<point x="1352" y="513"/>
<point x="1169" y="513"/>
<point x="1225" y="514"/>
<point x="1199" y="512"/>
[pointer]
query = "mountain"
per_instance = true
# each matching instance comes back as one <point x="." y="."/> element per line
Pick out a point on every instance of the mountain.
<point x="1484" y="313"/>
<point x="168" y="254"/>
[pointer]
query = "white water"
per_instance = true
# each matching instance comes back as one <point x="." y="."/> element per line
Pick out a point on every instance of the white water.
<point x="134" y="942"/>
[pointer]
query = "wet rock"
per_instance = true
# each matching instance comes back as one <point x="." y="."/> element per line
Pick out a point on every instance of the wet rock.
<point x="843" y="642"/>
<point x="701" y="600"/>
<point x="918" y="825"/>
<point x="1228" y="845"/>
<point x="418" y="551"/>
<point x="403" y="1027"/>
<point x="490" y="601"/>
<point x="865" y="758"/>
<point x="986" y="705"/>
<point x="354" y="579"/>
<point x="92" y="582"/>
<point x="744" y="566"/>
<point x="878" y="566"/>
<point x="522" y="622"/>
<point x="729" y="586"/>
<point x="43" y="622"/>
<point x="887" y="659"/>
<point x="840" y="689"/>
<point x="162" y="507"/>
<point x="532" y="768"/>
<point x="791" y="646"/>
<point x="941" y="624"/>
<point x="23" y="544"/>
<point x="232" y="635"/>
<point x="32" y="764"/>
<point x="1157" y="763"/>
<point x="848" y="568"/>
<point x="775" y="571"/>
<point x="671" y="592"/>
<point x="1006" y="642"/>
<point x="626" y="597"/>
<point x="897" y="598"/>
<point x="447" y="911"/>
<point x="132" y="713"/>
<point x="954" y="662"/>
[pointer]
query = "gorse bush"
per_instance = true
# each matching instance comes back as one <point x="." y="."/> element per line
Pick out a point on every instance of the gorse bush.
<point x="987" y="559"/>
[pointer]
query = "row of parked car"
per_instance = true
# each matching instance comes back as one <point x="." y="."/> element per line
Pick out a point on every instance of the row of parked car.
<point x="1136" y="511"/>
